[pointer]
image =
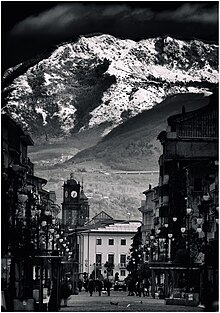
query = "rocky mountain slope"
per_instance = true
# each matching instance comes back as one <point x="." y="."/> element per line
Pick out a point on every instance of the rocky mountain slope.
<point x="103" y="80"/>
<point x="133" y="145"/>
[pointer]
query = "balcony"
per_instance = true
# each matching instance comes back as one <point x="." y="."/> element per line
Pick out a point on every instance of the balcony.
<point x="122" y="265"/>
<point x="26" y="162"/>
<point x="98" y="265"/>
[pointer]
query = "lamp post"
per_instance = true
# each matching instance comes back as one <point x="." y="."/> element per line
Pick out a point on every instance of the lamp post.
<point x="170" y="235"/>
<point x="166" y="225"/>
<point x="152" y="237"/>
<point x="205" y="211"/>
<point x="158" y="244"/>
<point x="183" y="229"/>
<point x="188" y="212"/>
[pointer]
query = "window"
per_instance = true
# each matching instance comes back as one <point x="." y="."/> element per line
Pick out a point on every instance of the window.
<point x="123" y="242"/>
<point x="98" y="260"/>
<point x="122" y="261"/>
<point x="123" y="272"/>
<point x="123" y="258"/>
<point x="111" y="242"/>
<point x="98" y="241"/>
<point x="111" y="259"/>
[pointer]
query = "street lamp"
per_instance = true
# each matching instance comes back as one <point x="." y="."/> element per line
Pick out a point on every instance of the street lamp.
<point x="170" y="235"/>
<point x="183" y="229"/>
<point x="188" y="212"/>
<point x="158" y="231"/>
<point x="205" y="211"/>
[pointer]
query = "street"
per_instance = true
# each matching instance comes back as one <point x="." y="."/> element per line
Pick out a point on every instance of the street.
<point x="84" y="303"/>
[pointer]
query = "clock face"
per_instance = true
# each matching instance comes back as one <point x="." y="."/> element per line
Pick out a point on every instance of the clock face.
<point x="66" y="194"/>
<point x="73" y="194"/>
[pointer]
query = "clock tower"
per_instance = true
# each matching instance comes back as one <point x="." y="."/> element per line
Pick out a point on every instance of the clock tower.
<point x="75" y="208"/>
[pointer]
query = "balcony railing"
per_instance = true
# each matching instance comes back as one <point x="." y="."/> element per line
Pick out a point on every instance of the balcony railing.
<point x="122" y="265"/>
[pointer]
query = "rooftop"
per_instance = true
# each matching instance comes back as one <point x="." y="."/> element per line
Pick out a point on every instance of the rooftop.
<point x="129" y="227"/>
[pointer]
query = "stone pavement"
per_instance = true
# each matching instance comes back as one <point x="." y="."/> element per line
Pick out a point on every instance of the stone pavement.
<point x="118" y="301"/>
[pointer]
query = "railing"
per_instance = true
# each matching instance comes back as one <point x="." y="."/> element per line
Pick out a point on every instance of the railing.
<point x="122" y="265"/>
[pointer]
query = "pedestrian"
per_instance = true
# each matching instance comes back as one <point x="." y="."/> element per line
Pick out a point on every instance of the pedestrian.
<point x="99" y="286"/>
<point x="147" y="286"/>
<point x="137" y="288"/>
<point x="130" y="287"/>
<point x="91" y="286"/>
<point x="65" y="292"/>
<point x="80" y="285"/>
<point x="141" y="289"/>
<point x="85" y="284"/>
<point x="105" y="283"/>
<point x="108" y="287"/>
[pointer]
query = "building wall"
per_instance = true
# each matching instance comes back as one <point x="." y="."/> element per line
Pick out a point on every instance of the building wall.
<point x="190" y="149"/>
<point x="187" y="171"/>
<point x="202" y="178"/>
<point x="148" y="212"/>
<point x="89" y="249"/>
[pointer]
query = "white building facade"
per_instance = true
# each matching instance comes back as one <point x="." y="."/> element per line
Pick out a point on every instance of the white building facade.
<point x="110" y="244"/>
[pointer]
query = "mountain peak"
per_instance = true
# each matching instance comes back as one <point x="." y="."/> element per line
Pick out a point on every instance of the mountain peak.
<point x="103" y="80"/>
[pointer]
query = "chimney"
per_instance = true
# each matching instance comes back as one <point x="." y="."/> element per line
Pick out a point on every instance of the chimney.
<point x="149" y="186"/>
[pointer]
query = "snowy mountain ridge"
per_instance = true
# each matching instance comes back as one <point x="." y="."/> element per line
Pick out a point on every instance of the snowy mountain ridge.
<point x="103" y="79"/>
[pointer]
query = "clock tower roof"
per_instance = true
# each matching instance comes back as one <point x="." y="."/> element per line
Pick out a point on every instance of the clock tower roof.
<point x="83" y="196"/>
<point x="72" y="181"/>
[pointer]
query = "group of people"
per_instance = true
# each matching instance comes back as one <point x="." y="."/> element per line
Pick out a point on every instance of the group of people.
<point x="138" y="288"/>
<point x="91" y="285"/>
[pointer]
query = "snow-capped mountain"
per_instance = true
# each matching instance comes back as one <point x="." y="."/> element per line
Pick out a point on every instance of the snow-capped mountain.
<point x="103" y="79"/>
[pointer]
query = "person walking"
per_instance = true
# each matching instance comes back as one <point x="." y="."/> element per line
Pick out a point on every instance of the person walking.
<point x="147" y="286"/>
<point x="91" y="286"/>
<point x="65" y="292"/>
<point x="99" y="286"/>
<point x="130" y="287"/>
<point x="85" y="284"/>
<point x="141" y="289"/>
<point x="108" y="287"/>
<point x="80" y="285"/>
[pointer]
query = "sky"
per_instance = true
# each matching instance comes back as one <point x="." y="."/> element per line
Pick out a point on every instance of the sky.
<point x="32" y="27"/>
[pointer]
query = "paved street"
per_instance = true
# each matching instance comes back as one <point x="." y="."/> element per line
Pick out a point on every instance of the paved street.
<point x="84" y="303"/>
